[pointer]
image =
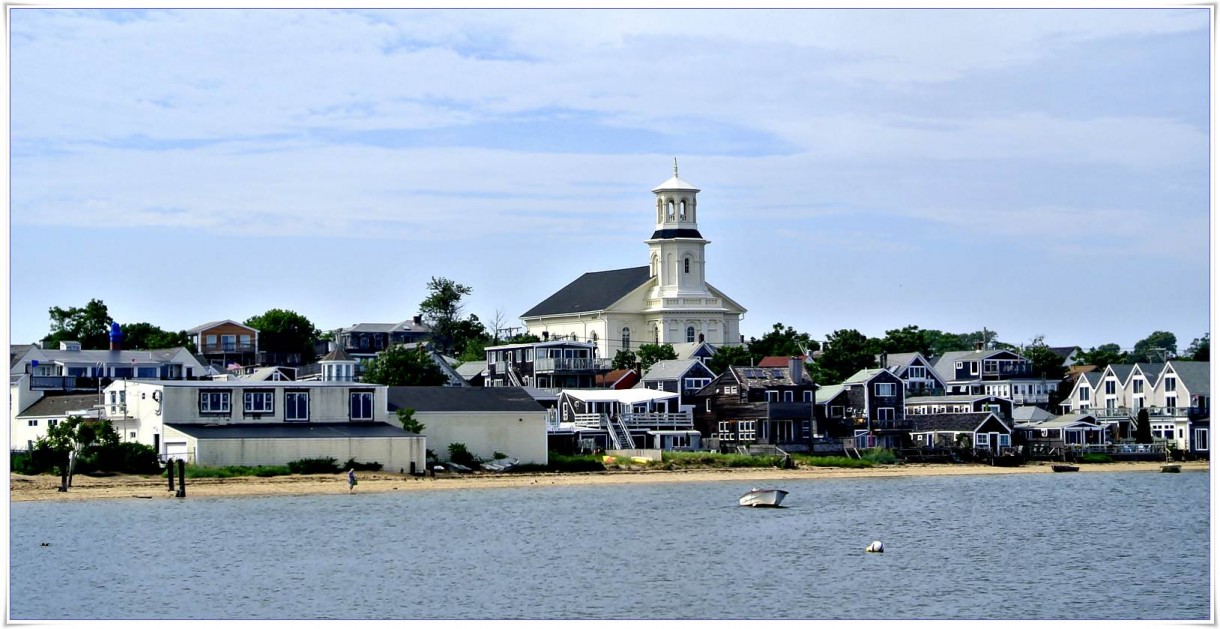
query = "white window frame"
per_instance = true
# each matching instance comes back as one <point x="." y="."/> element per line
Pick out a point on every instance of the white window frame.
<point x="836" y="411"/>
<point x="33" y="423"/>
<point x="352" y="408"/>
<point x="885" y="389"/>
<point x="1171" y="384"/>
<point x="214" y="401"/>
<point x="772" y="396"/>
<point x="974" y="367"/>
<point x="292" y="406"/>
<point x="886" y="414"/>
<point x="808" y="397"/>
<point x="259" y="401"/>
<point x="788" y="396"/>
<point x="1200" y="436"/>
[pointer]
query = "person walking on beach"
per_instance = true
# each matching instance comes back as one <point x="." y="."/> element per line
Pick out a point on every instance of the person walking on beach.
<point x="351" y="480"/>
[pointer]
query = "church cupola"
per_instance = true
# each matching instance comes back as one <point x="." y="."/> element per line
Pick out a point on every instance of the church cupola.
<point x="676" y="208"/>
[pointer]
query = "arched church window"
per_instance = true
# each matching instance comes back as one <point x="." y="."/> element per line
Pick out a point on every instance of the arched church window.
<point x="690" y="334"/>
<point x="660" y="212"/>
<point x="686" y="265"/>
<point x="682" y="210"/>
<point x="669" y="210"/>
<point x="626" y="339"/>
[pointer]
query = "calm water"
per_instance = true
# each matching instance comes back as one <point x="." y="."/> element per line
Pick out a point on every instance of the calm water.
<point x="1026" y="546"/>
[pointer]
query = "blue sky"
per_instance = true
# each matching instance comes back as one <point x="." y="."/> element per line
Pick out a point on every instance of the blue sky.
<point x="1036" y="172"/>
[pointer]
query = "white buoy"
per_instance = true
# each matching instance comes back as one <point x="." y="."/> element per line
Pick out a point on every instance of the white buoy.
<point x="875" y="547"/>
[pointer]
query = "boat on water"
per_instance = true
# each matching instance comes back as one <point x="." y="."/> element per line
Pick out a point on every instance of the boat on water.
<point x="762" y="498"/>
<point x="1171" y="469"/>
<point x="1065" y="468"/>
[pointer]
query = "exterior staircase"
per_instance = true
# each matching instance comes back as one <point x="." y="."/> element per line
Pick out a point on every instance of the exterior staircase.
<point x="619" y="435"/>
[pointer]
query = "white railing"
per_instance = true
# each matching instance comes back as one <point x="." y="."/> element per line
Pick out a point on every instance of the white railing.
<point x="1036" y="398"/>
<point x="563" y="364"/>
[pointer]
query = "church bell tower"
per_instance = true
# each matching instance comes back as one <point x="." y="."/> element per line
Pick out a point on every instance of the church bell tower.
<point x="676" y="247"/>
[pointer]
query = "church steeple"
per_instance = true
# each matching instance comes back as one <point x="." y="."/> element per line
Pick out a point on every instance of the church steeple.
<point x="676" y="246"/>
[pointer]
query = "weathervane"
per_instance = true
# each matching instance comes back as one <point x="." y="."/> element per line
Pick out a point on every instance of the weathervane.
<point x="675" y="167"/>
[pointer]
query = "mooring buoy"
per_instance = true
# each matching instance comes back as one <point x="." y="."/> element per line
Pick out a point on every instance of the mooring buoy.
<point x="875" y="547"/>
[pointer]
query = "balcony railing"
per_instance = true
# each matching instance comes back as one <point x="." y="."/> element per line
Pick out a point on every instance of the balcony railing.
<point x="230" y="348"/>
<point x="633" y="421"/>
<point x="1007" y="369"/>
<point x="1035" y="398"/>
<point x="549" y="365"/>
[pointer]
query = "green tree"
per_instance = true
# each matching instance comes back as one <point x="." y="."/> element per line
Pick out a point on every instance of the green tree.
<point x="729" y="356"/>
<point x="624" y="359"/>
<point x="285" y="332"/>
<point x="844" y="353"/>
<point x="441" y="311"/>
<point x="650" y="354"/>
<point x="1158" y="347"/>
<point x="781" y="341"/>
<point x="1044" y="362"/>
<point x="1143" y="427"/>
<point x="1103" y="356"/>
<point x="70" y="438"/>
<point x="402" y="367"/>
<point x="1200" y="348"/>
<point x="406" y="416"/>
<point x="89" y="325"/>
<point x="908" y="340"/>
<point x="149" y="336"/>
<point x="470" y="337"/>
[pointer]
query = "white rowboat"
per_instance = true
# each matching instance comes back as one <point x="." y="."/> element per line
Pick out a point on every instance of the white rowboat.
<point x="762" y="498"/>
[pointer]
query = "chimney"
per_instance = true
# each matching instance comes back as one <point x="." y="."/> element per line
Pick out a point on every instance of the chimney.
<point x="545" y="335"/>
<point x="796" y="369"/>
<point x="978" y="346"/>
<point x="116" y="336"/>
<point x="418" y="319"/>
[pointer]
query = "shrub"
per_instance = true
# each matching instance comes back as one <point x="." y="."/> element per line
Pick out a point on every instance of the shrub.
<point x="557" y="462"/>
<point x="882" y="456"/>
<point x="831" y="461"/>
<point x="1096" y="457"/>
<point x="460" y="455"/>
<point x="353" y="464"/>
<point x="679" y="460"/>
<point x="321" y="465"/>
<point x="497" y="455"/>
<point x="232" y="471"/>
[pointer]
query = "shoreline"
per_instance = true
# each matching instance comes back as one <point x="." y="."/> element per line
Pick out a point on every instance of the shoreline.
<point x="45" y="487"/>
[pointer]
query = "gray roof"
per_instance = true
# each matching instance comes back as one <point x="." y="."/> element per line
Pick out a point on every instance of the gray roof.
<point x="303" y="430"/>
<point x="693" y="350"/>
<point x="15" y="352"/>
<point x="463" y="399"/>
<point x="898" y="360"/>
<point x="61" y="405"/>
<point x="827" y="393"/>
<point x="944" y="365"/>
<point x="674" y="369"/>
<point x="864" y="375"/>
<point x="1030" y="414"/>
<point x="337" y="354"/>
<point x="956" y="422"/>
<point x="1122" y="372"/>
<point x="756" y="377"/>
<point x="1195" y="375"/>
<point x="592" y="291"/>
<point x="1093" y="378"/>
<point x="268" y="374"/>
<point x="107" y="356"/>
<point x="471" y="369"/>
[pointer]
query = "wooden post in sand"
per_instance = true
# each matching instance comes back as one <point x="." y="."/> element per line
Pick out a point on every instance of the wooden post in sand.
<point x="181" y="479"/>
<point x="169" y="472"/>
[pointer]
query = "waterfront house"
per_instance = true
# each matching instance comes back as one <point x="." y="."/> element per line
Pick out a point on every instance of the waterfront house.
<point x="31" y="424"/>
<point x="950" y="404"/>
<point x="617" y="379"/>
<point x="485" y="420"/>
<point x="1180" y="405"/>
<point x="915" y="371"/>
<point x="684" y="377"/>
<point x="1051" y="436"/>
<point x="752" y="405"/>
<point x="620" y="419"/>
<point x="220" y="423"/>
<point x="552" y="364"/>
<point x="997" y="372"/>
<point x="363" y="341"/>
<point x="224" y="343"/>
<point x="982" y="431"/>
<point x="1080" y="398"/>
<point x="875" y="408"/>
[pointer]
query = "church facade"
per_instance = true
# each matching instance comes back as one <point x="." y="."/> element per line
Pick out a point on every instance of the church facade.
<point x="668" y="301"/>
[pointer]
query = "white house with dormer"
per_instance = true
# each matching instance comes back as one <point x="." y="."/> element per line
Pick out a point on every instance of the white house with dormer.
<point x="667" y="302"/>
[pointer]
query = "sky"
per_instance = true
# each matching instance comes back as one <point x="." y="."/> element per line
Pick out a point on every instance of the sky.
<point x="1035" y="172"/>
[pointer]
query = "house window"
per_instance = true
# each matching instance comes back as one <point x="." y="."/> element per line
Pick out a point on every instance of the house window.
<point x="213" y="401"/>
<point x="884" y="389"/>
<point x="132" y="434"/>
<point x="362" y="405"/>
<point x="364" y="342"/>
<point x="210" y="341"/>
<point x="974" y="368"/>
<point x="33" y="422"/>
<point x="1200" y="440"/>
<point x="1171" y="401"/>
<point x="1171" y="384"/>
<point x="228" y="342"/>
<point x="917" y="372"/>
<point x="836" y="411"/>
<point x="245" y="342"/>
<point x="787" y="396"/>
<point x="1004" y="441"/>
<point x="1137" y="386"/>
<point x="746" y="430"/>
<point x="772" y="396"/>
<point x="696" y="383"/>
<point x="260" y="402"/>
<point x="957" y="365"/>
<point x="730" y="390"/>
<point x="626" y="339"/>
<point x="1084" y="395"/>
<point x="885" y="414"/>
<point x="809" y="396"/>
<point x="690" y="334"/>
<point x="982" y="440"/>
<point x="296" y="406"/>
<point x="1110" y="387"/>
<point x="51" y="423"/>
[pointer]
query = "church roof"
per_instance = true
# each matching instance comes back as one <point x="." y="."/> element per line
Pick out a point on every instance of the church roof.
<point x="673" y="183"/>
<point x="592" y="291"/>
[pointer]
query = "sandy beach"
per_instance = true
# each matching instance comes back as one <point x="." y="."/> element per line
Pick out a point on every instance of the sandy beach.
<point x="31" y="488"/>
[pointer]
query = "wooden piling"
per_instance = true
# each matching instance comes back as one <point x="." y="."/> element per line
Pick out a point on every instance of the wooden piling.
<point x="169" y="473"/>
<point x="181" y="479"/>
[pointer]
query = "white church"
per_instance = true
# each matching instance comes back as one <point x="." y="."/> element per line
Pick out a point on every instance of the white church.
<point x="668" y="301"/>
